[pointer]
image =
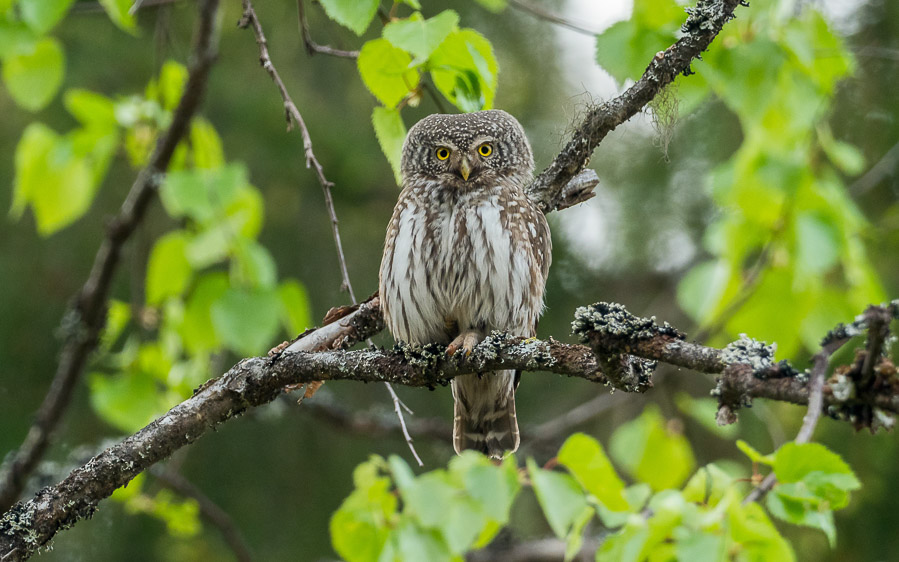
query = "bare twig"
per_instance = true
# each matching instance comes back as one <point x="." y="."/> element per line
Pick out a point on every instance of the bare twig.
<point x="557" y="427"/>
<point x="552" y="18"/>
<point x="87" y="316"/>
<point x="208" y="509"/>
<point x="311" y="46"/>
<point x="812" y="415"/>
<point x="374" y="424"/>
<point x="882" y="169"/>
<point x="294" y="116"/>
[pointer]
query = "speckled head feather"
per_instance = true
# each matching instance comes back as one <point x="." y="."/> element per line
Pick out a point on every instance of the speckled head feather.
<point x="462" y="134"/>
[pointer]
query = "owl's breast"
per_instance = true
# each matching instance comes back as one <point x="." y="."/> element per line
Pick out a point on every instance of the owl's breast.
<point x="470" y="265"/>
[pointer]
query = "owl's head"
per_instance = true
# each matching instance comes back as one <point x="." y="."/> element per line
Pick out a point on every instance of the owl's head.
<point x="467" y="151"/>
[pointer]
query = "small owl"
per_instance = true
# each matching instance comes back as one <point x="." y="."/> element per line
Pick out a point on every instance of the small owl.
<point x="467" y="253"/>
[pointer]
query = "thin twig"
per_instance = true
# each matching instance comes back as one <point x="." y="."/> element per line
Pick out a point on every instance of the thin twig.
<point x="210" y="510"/>
<point x="555" y="428"/>
<point x="294" y="117"/>
<point x="311" y="46"/>
<point x="552" y="18"/>
<point x="812" y="415"/>
<point x="86" y="318"/>
<point x="882" y="169"/>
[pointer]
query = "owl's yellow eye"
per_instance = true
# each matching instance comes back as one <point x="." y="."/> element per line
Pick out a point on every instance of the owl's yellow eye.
<point x="485" y="149"/>
<point x="442" y="153"/>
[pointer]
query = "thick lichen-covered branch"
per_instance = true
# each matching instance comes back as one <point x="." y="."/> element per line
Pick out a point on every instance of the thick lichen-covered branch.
<point x="746" y="370"/>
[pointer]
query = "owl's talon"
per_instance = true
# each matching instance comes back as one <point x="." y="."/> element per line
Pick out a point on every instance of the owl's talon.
<point x="465" y="341"/>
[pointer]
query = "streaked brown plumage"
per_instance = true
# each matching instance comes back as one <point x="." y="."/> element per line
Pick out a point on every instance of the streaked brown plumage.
<point x="467" y="253"/>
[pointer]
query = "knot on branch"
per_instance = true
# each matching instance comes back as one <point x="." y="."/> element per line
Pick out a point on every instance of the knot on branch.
<point x="749" y="363"/>
<point x="705" y="16"/>
<point x="609" y="329"/>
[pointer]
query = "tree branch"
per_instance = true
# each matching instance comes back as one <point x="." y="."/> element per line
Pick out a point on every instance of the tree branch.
<point x="702" y="26"/>
<point x="745" y="369"/>
<point x="86" y="318"/>
<point x="209" y="510"/>
<point x="311" y="46"/>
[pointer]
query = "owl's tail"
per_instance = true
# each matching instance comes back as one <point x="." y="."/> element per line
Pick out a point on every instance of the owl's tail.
<point x="484" y="419"/>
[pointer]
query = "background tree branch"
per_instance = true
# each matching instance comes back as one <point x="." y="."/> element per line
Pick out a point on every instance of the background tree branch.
<point x="86" y="317"/>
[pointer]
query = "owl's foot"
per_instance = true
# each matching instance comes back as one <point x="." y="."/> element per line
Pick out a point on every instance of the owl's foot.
<point x="465" y="341"/>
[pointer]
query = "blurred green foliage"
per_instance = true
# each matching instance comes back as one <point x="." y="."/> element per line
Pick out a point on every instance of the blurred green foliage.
<point x="441" y="514"/>
<point x="784" y="111"/>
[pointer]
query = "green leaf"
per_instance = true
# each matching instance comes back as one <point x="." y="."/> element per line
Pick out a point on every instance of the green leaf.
<point x="626" y="545"/>
<point x="246" y="211"/>
<point x="15" y="38"/>
<point x="701" y="289"/>
<point x="197" y="329"/>
<point x="793" y="463"/>
<point x="560" y="497"/>
<point x="168" y="270"/>
<point x="494" y="488"/>
<point x="798" y="512"/>
<point x="421" y="36"/>
<point x="817" y="244"/>
<point x="202" y="194"/>
<point x="128" y="401"/>
<point x="753" y="454"/>
<point x="585" y="458"/>
<point x="646" y="443"/>
<point x="353" y="14"/>
<point x="495" y="6"/>
<point x="253" y="266"/>
<point x="708" y="486"/>
<point x="57" y="184"/>
<point x="575" y="539"/>
<point x="42" y="15"/>
<point x="34" y="78"/>
<point x="181" y="516"/>
<point x="410" y="542"/>
<point x="359" y="528"/>
<point x="391" y="133"/>
<point x="464" y="69"/>
<point x="118" y="314"/>
<point x="166" y="90"/>
<point x="698" y="545"/>
<point x="754" y="536"/>
<point x="206" y="145"/>
<point x="247" y="320"/>
<point x="295" y="310"/>
<point x="386" y="71"/>
<point x="118" y="12"/>
<point x="625" y="48"/>
<point x="93" y="110"/>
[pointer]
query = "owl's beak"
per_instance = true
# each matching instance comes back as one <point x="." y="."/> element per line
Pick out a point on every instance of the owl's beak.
<point x="465" y="168"/>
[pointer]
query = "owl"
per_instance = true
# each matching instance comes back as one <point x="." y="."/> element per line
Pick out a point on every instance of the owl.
<point x="467" y="253"/>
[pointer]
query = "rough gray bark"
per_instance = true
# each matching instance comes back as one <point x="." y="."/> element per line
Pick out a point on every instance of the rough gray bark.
<point x="746" y="371"/>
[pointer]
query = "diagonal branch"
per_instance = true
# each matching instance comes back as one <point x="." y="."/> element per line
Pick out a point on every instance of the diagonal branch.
<point x="701" y="27"/>
<point x="85" y="319"/>
<point x="208" y="509"/>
